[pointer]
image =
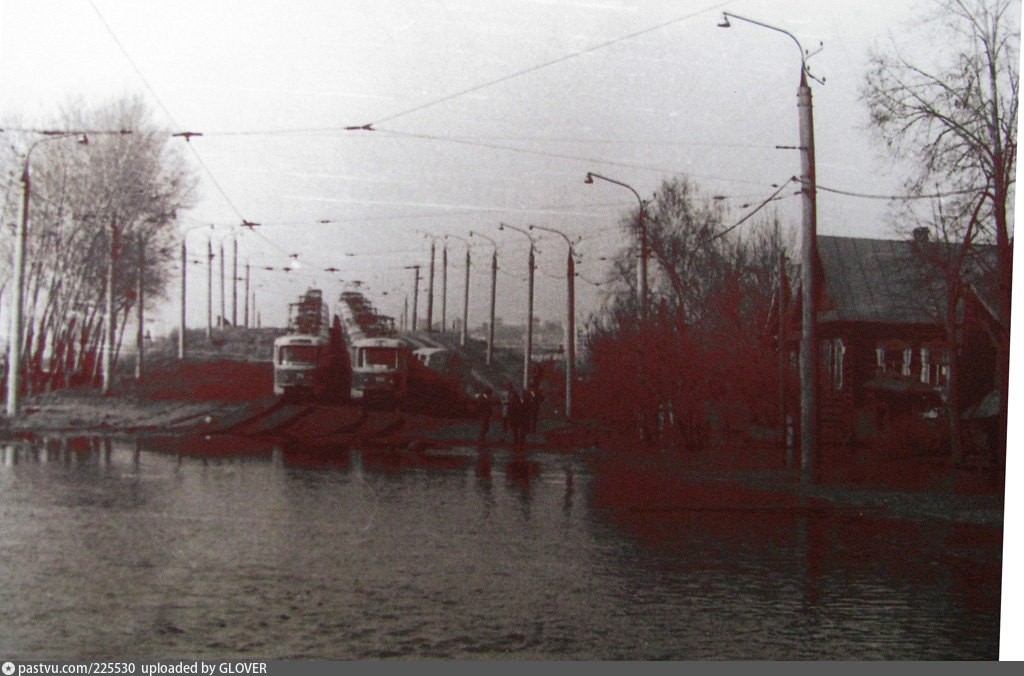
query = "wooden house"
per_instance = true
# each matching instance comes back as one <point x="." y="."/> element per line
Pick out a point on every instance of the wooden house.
<point x="888" y="331"/>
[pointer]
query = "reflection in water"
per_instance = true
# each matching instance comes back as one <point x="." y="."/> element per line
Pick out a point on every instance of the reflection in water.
<point x="162" y="550"/>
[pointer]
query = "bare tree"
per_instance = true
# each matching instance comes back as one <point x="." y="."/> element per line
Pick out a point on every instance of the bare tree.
<point x="953" y="116"/>
<point x="701" y="348"/>
<point x="92" y="207"/>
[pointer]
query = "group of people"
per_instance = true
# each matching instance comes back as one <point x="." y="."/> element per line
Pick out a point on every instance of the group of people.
<point x="519" y="413"/>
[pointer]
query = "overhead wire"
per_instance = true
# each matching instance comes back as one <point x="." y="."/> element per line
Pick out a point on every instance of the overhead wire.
<point x="167" y="112"/>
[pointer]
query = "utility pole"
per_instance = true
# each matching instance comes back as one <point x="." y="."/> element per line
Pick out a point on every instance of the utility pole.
<point x="444" y="288"/>
<point x="17" y="325"/>
<point x="464" y="329"/>
<point x="247" y="294"/>
<point x="494" y="289"/>
<point x="430" y="291"/>
<point x="531" y="265"/>
<point x="528" y="361"/>
<point x="234" y="282"/>
<point x="209" y="290"/>
<point x="641" y="227"/>
<point x="464" y="337"/>
<point x="223" y="311"/>
<point x="415" y="292"/>
<point x="570" y="318"/>
<point x="783" y="359"/>
<point x="108" y="312"/>
<point x="139" y="331"/>
<point x="809" y="352"/>
<point x="181" y="320"/>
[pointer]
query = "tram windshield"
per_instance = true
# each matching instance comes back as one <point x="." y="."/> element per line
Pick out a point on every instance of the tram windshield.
<point x="297" y="355"/>
<point x="379" y="356"/>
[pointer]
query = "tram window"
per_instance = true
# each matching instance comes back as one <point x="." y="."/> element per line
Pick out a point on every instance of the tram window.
<point x="379" y="356"/>
<point x="297" y="354"/>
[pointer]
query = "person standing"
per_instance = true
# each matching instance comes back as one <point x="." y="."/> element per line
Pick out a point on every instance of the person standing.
<point x="484" y="408"/>
<point x="516" y="418"/>
<point x="532" y="401"/>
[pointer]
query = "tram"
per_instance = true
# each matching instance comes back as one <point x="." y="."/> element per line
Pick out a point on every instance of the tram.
<point x="380" y="361"/>
<point x="306" y="357"/>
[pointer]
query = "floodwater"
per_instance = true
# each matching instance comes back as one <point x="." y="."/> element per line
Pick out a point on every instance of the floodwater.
<point x="150" y="550"/>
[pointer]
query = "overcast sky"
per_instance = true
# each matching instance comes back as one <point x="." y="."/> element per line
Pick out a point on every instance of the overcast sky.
<point x="485" y="111"/>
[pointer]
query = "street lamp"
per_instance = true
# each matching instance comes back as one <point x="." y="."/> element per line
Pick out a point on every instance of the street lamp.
<point x="570" y="325"/>
<point x="642" y="230"/>
<point x="465" y="293"/>
<point x="528" y="352"/>
<point x="808" y="260"/>
<point x="494" y="283"/>
<point x="18" y="309"/>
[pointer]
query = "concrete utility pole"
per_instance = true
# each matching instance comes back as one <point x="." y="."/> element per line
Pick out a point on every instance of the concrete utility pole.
<point x="464" y="336"/>
<point x="570" y="318"/>
<point x="464" y="329"/>
<point x="494" y="289"/>
<point x="181" y="319"/>
<point x="234" y="282"/>
<point x="783" y="360"/>
<point x="430" y="291"/>
<point x="223" y="306"/>
<point x="809" y="353"/>
<point x="531" y="266"/>
<point x="14" y="342"/>
<point x="247" y="294"/>
<point x="415" y="292"/>
<point x="140" y="314"/>
<point x="108" y="311"/>
<point x="641" y="227"/>
<point x="209" y="290"/>
<point x="444" y="288"/>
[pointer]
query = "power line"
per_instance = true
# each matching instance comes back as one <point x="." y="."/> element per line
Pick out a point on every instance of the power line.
<point x="164" y="108"/>
<point x="562" y="156"/>
<point x="540" y="66"/>
<point x="849" y="193"/>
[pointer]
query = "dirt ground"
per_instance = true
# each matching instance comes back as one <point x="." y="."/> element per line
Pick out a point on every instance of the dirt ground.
<point x="172" y="395"/>
<point x="235" y="397"/>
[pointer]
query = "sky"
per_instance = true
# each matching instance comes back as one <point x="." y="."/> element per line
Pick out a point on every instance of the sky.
<point x="482" y="111"/>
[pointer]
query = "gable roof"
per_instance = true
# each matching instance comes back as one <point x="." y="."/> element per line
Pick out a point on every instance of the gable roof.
<point x="878" y="281"/>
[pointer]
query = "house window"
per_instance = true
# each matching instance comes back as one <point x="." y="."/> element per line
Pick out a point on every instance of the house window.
<point x="935" y="366"/>
<point x="835" y="350"/>
<point x="893" y="359"/>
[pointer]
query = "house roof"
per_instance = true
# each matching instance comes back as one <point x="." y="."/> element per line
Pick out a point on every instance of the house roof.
<point x="878" y="281"/>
